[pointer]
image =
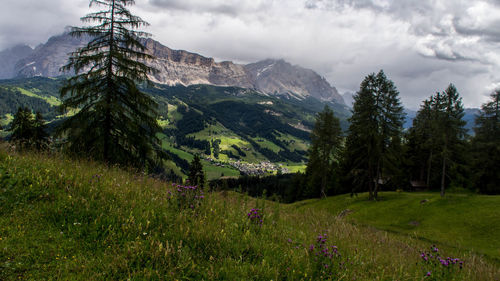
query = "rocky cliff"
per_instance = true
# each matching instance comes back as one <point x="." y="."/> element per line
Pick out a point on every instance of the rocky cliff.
<point x="182" y="67"/>
<point x="9" y="58"/>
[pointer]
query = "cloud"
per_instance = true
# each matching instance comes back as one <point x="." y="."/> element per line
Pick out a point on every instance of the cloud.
<point x="227" y="7"/>
<point x="422" y="45"/>
<point x="33" y="22"/>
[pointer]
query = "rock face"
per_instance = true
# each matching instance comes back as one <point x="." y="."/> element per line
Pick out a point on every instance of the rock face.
<point x="9" y="58"/>
<point x="280" y="77"/>
<point x="182" y="67"/>
<point x="47" y="58"/>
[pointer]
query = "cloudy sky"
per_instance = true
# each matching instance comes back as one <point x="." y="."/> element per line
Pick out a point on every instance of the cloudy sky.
<point x="422" y="45"/>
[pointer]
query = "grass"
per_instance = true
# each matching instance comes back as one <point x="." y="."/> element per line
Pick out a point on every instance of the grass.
<point x="211" y="171"/>
<point x="6" y="119"/>
<point x="464" y="221"/>
<point x="215" y="172"/>
<point x="295" y="143"/>
<point x="76" y="220"/>
<point x="267" y="144"/>
<point x="49" y="99"/>
<point x="4" y="123"/>
<point x="228" y="138"/>
<point x="295" y="168"/>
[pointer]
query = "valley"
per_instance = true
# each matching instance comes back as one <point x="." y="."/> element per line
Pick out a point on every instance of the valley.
<point x="255" y="134"/>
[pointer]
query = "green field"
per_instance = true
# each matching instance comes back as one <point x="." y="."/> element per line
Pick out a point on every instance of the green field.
<point x="62" y="219"/>
<point x="465" y="221"/>
<point x="32" y="93"/>
<point x="211" y="171"/>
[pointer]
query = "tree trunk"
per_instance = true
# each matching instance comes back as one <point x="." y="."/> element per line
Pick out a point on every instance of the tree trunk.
<point x="323" y="186"/>
<point x="443" y="176"/>
<point x="370" y="182"/>
<point x="107" y="122"/>
<point x="375" y="191"/>
<point x="429" y="165"/>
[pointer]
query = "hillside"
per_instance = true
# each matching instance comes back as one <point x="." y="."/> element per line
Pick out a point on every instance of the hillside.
<point x="61" y="219"/>
<point x="250" y="127"/>
<point x="465" y="221"/>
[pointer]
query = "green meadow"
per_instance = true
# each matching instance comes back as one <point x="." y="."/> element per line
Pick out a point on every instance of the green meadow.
<point x="469" y="222"/>
<point x="62" y="219"/>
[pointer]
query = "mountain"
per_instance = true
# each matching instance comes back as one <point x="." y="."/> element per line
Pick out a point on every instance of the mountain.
<point x="348" y="98"/>
<point x="9" y="58"/>
<point x="47" y="58"/>
<point x="280" y="77"/>
<point x="178" y="67"/>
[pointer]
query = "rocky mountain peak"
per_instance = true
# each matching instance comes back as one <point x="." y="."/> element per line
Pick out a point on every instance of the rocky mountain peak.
<point x="280" y="77"/>
<point x="175" y="67"/>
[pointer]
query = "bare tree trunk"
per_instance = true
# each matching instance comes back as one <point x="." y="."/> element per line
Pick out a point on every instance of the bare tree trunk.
<point x="429" y="165"/>
<point x="370" y="181"/>
<point x="443" y="176"/>
<point x="323" y="186"/>
<point x="375" y="191"/>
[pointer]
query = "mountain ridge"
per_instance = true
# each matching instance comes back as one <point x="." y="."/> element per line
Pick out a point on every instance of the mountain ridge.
<point x="184" y="68"/>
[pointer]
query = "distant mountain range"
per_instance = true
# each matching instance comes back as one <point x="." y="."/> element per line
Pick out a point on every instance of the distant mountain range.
<point x="178" y="67"/>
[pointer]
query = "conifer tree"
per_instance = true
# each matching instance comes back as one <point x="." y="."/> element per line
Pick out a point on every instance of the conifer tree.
<point x="40" y="136"/>
<point x="486" y="146"/>
<point x="196" y="174"/>
<point x="374" y="134"/>
<point x="437" y="138"/>
<point x="420" y="144"/>
<point x="450" y="129"/>
<point x="324" y="154"/>
<point x="22" y="128"/>
<point x="116" y="122"/>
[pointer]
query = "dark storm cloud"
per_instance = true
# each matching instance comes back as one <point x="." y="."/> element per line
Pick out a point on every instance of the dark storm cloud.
<point x="227" y="7"/>
<point x="422" y="45"/>
<point x="33" y="22"/>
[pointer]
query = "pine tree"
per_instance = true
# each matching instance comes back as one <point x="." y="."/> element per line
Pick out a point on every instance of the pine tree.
<point x="196" y="175"/>
<point x="324" y="154"/>
<point x="40" y="136"/>
<point x="437" y="139"/>
<point x="116" y="122"/>
<point x="22" y="128"/>
<point x="486" y="146"/>
<point x="421" y="143"/>
<point x="373" y="143"/>
<point x="28" y="132"/>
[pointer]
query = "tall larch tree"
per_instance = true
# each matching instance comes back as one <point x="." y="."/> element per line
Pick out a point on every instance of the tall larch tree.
<point x="373" y="141"/>
<point x="324" y="154"/>
<point x="115" y="121"/>
<point x="449" y="130"/>
<point x="437" y="139"/>
<point x="421" y="143"/>
<point x="486" y="147"/>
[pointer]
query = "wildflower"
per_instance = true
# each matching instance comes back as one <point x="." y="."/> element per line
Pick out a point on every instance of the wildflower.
<point x="428" y="273"/>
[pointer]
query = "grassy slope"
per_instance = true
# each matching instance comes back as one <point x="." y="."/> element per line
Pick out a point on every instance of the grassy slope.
<point x="211" y="171"/>
<point x="32" y="93"/>
<point x="67" y="220"/>
<point x="459" y="220"/>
